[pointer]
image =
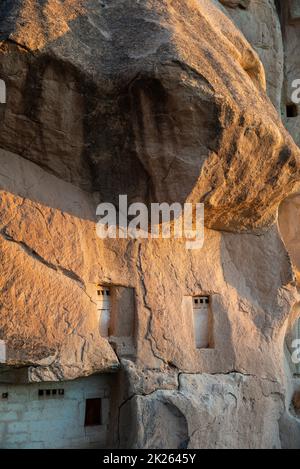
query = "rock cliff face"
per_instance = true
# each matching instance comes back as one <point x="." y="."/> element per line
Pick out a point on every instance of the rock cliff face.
<point x="168" y="104"/>
<point x="165" y="101"/>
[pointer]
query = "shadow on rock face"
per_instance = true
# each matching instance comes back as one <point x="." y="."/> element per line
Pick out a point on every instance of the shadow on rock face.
<point x="162" y="102"/>
<point x="169" y="428"/>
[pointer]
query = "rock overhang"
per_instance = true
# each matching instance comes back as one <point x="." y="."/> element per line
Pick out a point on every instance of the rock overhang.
<point x="186" y="120"/>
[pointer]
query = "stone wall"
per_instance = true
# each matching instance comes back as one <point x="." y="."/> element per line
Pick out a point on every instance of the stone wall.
<point x="56" y="421"/>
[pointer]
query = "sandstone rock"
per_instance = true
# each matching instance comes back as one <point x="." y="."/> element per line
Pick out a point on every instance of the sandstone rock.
<point x="51" y="255"/>
<point x="180" y="103"/>
<point x="42" y="319"/>
<point x="163" y="101"/>
<point x="236" y="3"/>
<point x="143" y="381"/>
<point x="290" y="432"/>
<point x="261" y="26"/>
<point x="206" y="412"/>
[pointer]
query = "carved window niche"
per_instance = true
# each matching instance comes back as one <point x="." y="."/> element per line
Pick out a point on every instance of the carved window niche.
<point x="2" y="351"/>
<point x="2" y="92"/>
<point x="103" y="302"/>
<point x="202" y="322"/>
<point x="294" y="11"/>
<point x="116" y="316"/>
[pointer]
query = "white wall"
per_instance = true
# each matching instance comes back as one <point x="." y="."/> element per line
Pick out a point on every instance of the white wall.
<point x="30" y="421"/>
<point x="2" y="351"/>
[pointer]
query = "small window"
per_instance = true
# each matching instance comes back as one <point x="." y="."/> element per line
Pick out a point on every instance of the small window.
<point x="104" y="309"/>
<point x="93" y="412"/>
<point x="291" y="110"/>
<point x="297" y="337"/>
<point x="202" y="322"/>
<point x="2" y="92"/>
<point x="2" y="351"/>
<point x="51" y="392"/>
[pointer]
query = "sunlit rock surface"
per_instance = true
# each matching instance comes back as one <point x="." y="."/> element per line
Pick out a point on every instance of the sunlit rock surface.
<point x="165" y="101"/>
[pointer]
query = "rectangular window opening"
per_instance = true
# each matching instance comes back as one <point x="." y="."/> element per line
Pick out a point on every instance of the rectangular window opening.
<point x="202" y="322"/>
<point x="93" y="412"/>
<point x="291" y="110"/>
<point x="104" y="309"/>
